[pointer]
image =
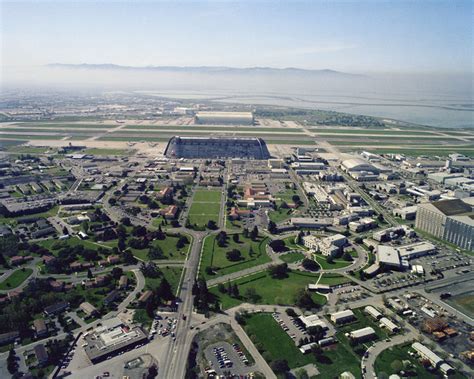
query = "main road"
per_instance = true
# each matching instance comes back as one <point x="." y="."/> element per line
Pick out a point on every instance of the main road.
<point x="173" y="364"/>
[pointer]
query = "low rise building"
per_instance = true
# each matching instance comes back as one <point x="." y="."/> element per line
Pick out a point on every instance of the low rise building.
<point x="343" y="317"/>
<point x="362" y="335"/>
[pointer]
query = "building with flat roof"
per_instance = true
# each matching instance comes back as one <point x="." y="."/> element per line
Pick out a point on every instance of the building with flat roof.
<point x="219" y="118"/>
<point x="435" y="360"/>
<point x="111" y="339"/>
<point x="216" y="148"/>
<point x="373" y="312"/>
<point x="450" y="220"/>
<point x="343" y="317"/>
<point x="313" y="320"/>
<point x="364" y="334"/>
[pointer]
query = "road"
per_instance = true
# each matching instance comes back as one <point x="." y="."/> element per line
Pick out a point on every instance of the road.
<point x="173" y="365"/>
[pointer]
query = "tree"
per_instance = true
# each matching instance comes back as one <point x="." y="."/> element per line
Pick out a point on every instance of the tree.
<point x="221" y="288"/>
<point x="396" y="366"/>
<point x="85" y="226"/>
<point x="164" y="290"/>
<point x="252" y="295"/>
<point x="278" y="246"/>
<point x="245" y="233"/>
<point x="117" y="272"/>
<point x="254" y="233"/>
<point x="65" y="231"/>
<point x="155" y="252"/>
<point x="291" y="312"/>
<point x="310" y="265"/>
<point x="317" y="351"/>
<point x="235" y="237"/>
<point x="235" y="291"/>
<point x="296" y="199"/>
<point x="278" y="271"/>
<point x="209" y="270"/>
<point x="221" y="239"/>
<point x="272" y="228"/>
<point x="304" y="300"/>
<point x="112" y="201"/>
<point x="121" y="244"/>
<point x="211" y="224"/>
<point x="128" y="257"/>
<point x="316" y="332"/>
<point x="330" y="259"/>
<point x="347" y="256"/>
<point x="152" y="372"/>
<point x="280" y="366"/>
<point x="234" y="255"/>
<point x="89" y="273"/>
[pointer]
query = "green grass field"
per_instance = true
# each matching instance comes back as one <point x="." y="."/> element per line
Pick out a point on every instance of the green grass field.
<point x="271" y="291"/>
<point x="215" y="256"/>
<point x="205" y="207"/>
<point x="171" y="274"/>
<point x="16" y="278"/>
<point x="265" y="331"/>
<point x="464" y="302"/>
<point x="27" y="137"/>
<point x="324" y="131"/>
<point x="292" y="257"/>
<point x="337" y="263"/>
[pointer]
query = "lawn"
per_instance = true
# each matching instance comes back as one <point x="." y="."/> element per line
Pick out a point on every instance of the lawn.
<point x="264" y="330"/>
<point x="400" y="353"/>
<point x="16" y="278"/>
<point x="269" y="290"/>
<point x="206" y="206"/>
<point x="292" y="257"/>
<point x="168" y="245"/>
<point x="54" y="244"/>
<point x="333" y="279"/>
<point x="280" y="215"/>
<point x="336" y="263"/>
<point x="253" y="253"/>
<point x="172" y="275"/>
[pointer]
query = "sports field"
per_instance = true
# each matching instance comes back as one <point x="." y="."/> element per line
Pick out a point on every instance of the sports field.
<point x="15" y="279"/>
<point x="206" y="206"/>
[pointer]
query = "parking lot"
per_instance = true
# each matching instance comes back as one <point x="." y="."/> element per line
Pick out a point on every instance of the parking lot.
<point x="224" y="358"/>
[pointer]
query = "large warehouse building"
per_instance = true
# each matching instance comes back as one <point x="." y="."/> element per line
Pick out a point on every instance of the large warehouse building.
<point x="450" y="220"/>
<point x="216" y="147"/>
<point x="220" y="118"/>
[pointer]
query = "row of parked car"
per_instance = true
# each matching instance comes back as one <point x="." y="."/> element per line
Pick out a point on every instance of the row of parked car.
<point x="277" y="318"/>
<point x="222" y="357"/>
<point x="240" y="353"/>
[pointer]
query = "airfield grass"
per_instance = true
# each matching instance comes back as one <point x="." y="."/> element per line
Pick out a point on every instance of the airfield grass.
<point x="16" y="278"/>
<point x="270" y="291"/>
<point x="430" y="152"/>
<point x="393" y="141"/>
<point x="27" y="137"/>
<point x="62" y="125"/>
<point x="382" y="132"/>
<point x="103" y="151"/>
<point x="264" y="330"/>
<point x="214" y="255"/>
<point x="211" y="129"/>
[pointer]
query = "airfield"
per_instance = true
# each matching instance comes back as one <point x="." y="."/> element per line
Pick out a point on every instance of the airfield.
<point x="148" y="136"/>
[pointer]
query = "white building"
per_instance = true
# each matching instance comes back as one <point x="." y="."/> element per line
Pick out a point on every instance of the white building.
<point x="436" y="361"/>
<point x="342" y="317"/>
<point x="363" y="334"/>
<point x="373" y="312"/>
<point x="389" y="325"/>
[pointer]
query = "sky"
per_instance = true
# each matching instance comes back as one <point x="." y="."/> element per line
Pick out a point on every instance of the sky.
<point x="351" y="36"/>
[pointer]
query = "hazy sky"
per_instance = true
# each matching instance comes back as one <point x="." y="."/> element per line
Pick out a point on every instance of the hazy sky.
<point x="349" y="35"/>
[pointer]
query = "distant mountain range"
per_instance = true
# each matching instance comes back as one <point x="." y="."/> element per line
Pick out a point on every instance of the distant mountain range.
<point x="206" y="69"/>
